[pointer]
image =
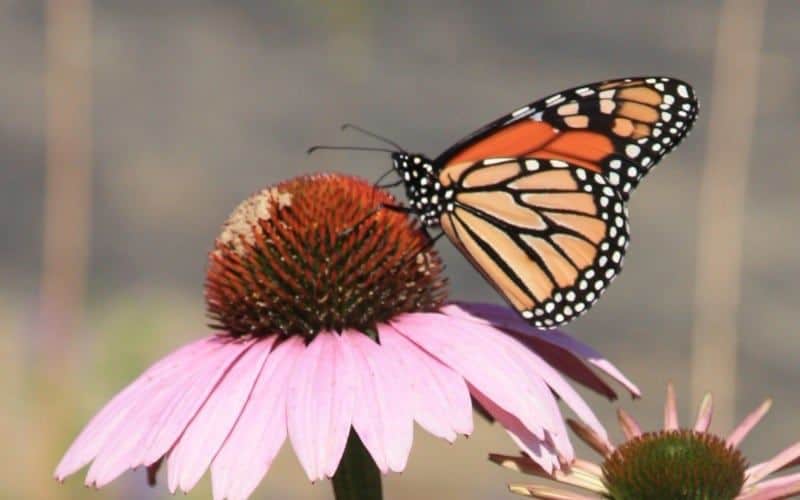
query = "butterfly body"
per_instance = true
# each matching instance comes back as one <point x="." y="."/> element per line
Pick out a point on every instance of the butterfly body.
<point x="536" y="200"/>
<point x="428" y="197"/>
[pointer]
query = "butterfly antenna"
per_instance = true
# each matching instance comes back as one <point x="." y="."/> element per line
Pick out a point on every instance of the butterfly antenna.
<point x="374" y="136"/>
<point x="347" y="148"/>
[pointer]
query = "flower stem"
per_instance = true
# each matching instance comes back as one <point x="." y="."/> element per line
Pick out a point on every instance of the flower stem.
<point x="357" y="477"/>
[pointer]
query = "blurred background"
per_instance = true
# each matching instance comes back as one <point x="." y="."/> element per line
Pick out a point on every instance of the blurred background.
<point x="130" y="130"/>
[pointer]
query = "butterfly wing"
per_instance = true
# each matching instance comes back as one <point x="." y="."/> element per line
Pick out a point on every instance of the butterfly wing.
<point x="619" y="128"/>
<point x="547" y="234"/>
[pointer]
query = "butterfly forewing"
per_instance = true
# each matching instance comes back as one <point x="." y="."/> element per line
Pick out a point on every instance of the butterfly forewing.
<point x="548" y="234"/>
<point x="620" y="128"/>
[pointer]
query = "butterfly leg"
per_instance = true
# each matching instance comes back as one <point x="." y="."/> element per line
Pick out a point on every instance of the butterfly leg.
<point x="431" y="239"/>
<point x="390" y="185"/>
<point x="382" y="177"/>
<point x="396" y="208"/>
<point x="409" y="210"/>
<point x="355" y="226"/>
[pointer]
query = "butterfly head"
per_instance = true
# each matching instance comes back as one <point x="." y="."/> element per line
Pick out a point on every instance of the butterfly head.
<point x="425" y="193"/>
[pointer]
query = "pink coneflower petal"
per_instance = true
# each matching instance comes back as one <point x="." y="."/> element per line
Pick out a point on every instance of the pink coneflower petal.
<point x="320" y="404"/>
<point x="591" y="356"/>
<point x="764" y="469"/>
<point x="581" y="473"/>
<point x="550" y="379"/>
<point x="563" y="446"/>
<point x="505" y="318"/>
<point x="176" y="416"/>
<point x="599" y="444"/>
<point x="589" y="469"/>
<point x="260" y="431"/>
<point x="97" y="432"/>
<point x="521" y="464"/>
<point x="442" y="402"/>
<point x="145" y="408"/>
<point x="704" y="414"/>
<point x="481" y="360"/>
<point x="527" y="368"/>
<point x="557" y="383"/>
<point x="773" y="489"/>
<point x="670" y="410"/>
<point x="546" y="492"/>
<point x="536" y="449"/>
<point x="569" y="364"/>
<point x="743" y="429"/>
<point x="202" y="439"/>
<point x="630" y="428"/>
<point x="525" y="357"/>
<point x="162" y="416"/>
<point x="383" y="417"/>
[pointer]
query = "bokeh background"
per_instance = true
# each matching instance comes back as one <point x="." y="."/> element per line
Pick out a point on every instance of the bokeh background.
<point x="129" y="130"/>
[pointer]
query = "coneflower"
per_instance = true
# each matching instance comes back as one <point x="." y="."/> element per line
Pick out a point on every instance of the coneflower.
<point x="674" y="463"/>
<point x="334" y="331"/>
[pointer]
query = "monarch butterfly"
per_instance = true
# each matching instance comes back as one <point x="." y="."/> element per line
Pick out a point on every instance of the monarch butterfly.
<point x="536" y="200"/>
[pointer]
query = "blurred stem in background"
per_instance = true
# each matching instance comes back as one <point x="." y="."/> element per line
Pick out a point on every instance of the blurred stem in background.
<point x="67" y="195"/>
<point x="722" y="198"/>
<point x="65" y="238"/>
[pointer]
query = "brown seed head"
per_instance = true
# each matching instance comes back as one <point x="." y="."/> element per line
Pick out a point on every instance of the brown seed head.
<point x="315" y="253"/>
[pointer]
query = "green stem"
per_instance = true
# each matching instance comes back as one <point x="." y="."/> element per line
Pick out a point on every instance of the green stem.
<point x="357" y="477"/>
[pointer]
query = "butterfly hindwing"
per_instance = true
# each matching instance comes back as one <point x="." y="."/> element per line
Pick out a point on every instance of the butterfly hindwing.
<point x="549" y="235"/>
<point x="619" y="128"/>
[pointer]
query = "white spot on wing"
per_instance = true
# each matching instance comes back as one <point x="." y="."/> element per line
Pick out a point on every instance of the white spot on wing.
<point x="495" y="161"/>
<point x="521" y="111"/>
<point x="555" y="99"/>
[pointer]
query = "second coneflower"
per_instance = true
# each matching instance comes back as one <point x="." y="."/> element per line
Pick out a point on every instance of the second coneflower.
<point x="670" y="464"/>
<point x="334" y="332"/>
